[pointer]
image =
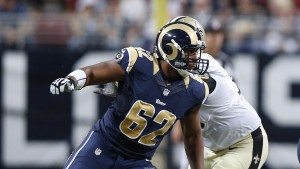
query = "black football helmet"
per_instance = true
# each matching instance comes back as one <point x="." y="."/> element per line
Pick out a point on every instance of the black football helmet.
<point x="177" y="39"/>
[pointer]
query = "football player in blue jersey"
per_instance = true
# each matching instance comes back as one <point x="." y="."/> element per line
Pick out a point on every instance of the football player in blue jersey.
<point x="233" y="134"/>
<point x="154" y="91"/>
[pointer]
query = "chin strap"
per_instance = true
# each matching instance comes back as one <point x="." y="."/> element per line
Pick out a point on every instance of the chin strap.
<point x="183" y="73"/>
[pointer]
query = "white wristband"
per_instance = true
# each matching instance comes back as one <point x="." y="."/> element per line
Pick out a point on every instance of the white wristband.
<point x="79" y="78"/>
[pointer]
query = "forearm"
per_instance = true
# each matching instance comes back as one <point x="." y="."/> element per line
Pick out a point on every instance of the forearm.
<point x="194" y="150"/>
<point x="103" y="73"/>
<point x="95" y="74"/>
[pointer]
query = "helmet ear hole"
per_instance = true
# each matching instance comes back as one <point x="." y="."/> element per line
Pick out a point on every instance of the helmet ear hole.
<point x="168" y="49"/>
<point x="199" y="36"/>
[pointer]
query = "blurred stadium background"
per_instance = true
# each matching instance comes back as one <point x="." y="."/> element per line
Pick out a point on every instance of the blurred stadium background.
<point x="41" y="40"/>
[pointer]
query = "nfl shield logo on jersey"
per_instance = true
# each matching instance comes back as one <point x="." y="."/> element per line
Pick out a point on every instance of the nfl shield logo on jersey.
<point x="98" y="151"/>
<point x="166" y="92"/>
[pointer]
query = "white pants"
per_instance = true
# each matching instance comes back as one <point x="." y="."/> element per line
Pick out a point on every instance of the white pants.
<point x="251" y="152"/>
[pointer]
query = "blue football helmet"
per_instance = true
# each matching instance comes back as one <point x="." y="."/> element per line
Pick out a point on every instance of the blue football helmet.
<point x="176" y="40"/>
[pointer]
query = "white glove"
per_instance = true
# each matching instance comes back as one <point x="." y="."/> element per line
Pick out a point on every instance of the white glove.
<point x="61" y="85"/>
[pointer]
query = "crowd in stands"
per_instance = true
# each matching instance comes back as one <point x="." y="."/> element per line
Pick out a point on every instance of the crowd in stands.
<point x="252" y="26"/>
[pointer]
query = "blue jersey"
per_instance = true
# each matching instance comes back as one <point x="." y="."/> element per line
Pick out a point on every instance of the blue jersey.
<point x="146" y="106"/>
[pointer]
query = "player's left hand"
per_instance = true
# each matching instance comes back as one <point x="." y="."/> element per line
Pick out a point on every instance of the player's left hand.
<point x="109" y="89"/>
<point x="61" y="85"/>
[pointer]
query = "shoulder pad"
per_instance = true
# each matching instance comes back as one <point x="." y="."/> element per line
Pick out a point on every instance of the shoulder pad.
<point x="127" y="58"/>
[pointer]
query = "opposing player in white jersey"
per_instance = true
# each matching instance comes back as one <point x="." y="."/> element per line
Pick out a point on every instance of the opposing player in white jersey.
<point x="232" y="130"/>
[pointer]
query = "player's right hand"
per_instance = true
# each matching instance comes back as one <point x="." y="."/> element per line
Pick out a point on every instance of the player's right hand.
<point x="61" y="85"/>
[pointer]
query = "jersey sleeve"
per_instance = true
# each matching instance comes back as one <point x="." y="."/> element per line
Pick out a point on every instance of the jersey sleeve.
<point x="127" y="58"/>
<point x="201" y="90"/>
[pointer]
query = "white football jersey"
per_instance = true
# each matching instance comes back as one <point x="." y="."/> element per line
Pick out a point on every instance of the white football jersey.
<point x="226" y="115"/>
